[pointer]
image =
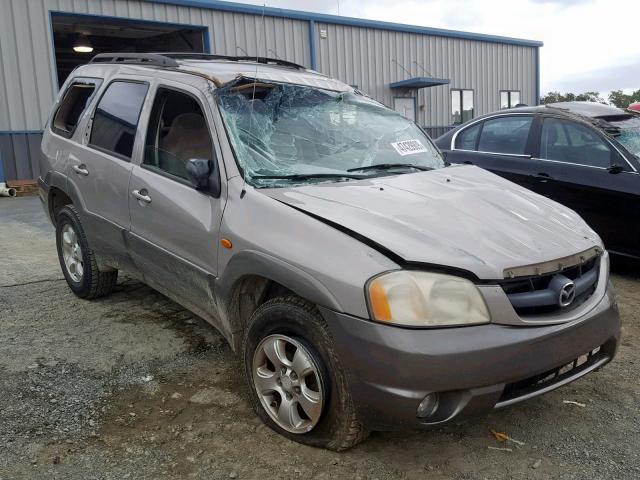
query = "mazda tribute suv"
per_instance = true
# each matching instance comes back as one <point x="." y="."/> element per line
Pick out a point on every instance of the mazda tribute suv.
<point x="366" y="284"/>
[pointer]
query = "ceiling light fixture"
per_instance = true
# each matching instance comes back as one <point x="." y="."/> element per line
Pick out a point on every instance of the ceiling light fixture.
<point x="82" y="44"/>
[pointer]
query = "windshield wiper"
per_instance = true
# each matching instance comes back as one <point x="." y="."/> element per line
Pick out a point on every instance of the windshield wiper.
<point x="389" y="166"/>
<point x="309" y="176"/>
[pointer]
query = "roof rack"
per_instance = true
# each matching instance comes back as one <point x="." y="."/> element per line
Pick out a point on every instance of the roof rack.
<point x="169" y="59"/>
<point x="233" y="58"/>
<point x="152" y="59"/>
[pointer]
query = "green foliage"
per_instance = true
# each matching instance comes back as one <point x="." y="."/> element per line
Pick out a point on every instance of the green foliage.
<point x="622" y="100"/>
<point x="555" y="97"/>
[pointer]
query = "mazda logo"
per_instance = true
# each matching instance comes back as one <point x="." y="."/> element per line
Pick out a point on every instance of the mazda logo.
<point x="567" y="294"/>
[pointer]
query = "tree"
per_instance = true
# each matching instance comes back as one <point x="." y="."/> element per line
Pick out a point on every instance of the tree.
<point x="555" y="97"/>
<point x="622" y="100"/>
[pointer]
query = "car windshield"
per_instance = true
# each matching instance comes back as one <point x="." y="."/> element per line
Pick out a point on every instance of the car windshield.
<point x="284" y="134"/>
<point x="629" y="134"/>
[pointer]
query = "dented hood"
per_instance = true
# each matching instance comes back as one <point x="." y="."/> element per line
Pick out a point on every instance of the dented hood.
<point x="462" y="217"/>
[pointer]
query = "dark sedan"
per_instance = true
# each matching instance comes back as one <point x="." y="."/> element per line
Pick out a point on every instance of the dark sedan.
<point x="583" y="155"/>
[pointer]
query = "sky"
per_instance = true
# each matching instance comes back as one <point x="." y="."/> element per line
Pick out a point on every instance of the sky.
<point x="587" y="46"/>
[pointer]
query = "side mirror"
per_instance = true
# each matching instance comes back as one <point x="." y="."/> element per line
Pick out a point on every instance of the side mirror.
<point x="198" y="171"/>
<point x="616" y="168"/>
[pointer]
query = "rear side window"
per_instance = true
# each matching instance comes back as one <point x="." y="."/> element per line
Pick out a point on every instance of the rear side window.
<point x="115" y="120"/>
<point x="506" y="135"/>
<point x="568" y="141"/>
<point x="177" y="133"/>
<point x="467" y="139"/>
<point x="72" y="105"/>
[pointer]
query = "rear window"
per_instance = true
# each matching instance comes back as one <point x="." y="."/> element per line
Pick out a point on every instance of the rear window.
<point x="468" y="138"/>
<point x="116" y="117"/>
<point x="506" y="135"/>
<point x="73" y="104"/>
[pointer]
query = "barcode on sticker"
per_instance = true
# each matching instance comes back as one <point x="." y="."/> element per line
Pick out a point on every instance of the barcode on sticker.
<point x="409" y="147"/>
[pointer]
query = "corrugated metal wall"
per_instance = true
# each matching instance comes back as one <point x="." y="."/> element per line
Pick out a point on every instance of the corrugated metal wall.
<point x="483" y="67"/>
<point x="28" y="78"/>
<point x="357" y="55"/>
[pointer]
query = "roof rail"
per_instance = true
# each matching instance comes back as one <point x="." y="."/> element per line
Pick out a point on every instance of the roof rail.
<point x="151" y="59"/>
<point x="232" y="58"/>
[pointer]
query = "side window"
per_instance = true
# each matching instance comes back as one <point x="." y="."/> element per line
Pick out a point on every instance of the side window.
<point x="73" y="104"/>
<point x="568" y="141"/>
<point x="116" y="117"/>
<point x="506" y="135"/>
<point x="177" y="133"/>
<point x="468" y="138"/>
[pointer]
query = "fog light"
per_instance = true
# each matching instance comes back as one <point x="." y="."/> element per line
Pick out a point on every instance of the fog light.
<point x="428" y="405"/>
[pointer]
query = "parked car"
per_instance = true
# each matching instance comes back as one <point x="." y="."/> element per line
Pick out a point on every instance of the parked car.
<point x="365" y="285"/>
<point x="634" y="107"/>
<point x="581" y="154"/>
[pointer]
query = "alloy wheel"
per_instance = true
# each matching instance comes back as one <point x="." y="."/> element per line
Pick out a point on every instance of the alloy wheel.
<point x="72" y="253"/>
<point x="287" y="381"/>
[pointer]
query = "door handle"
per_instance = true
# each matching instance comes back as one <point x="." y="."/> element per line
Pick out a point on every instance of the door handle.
<point x="468" y="162"/>
<point x="142" y="195"/>
<point x="542" y="177"/>
<point x="81" y="169"/>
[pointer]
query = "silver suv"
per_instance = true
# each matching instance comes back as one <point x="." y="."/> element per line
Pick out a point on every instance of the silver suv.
<point x="367" y="284"/>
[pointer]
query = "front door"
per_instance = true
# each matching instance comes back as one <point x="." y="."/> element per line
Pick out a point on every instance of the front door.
<point x="405" y="107"/>
<point x="577" y="161"/>
<point x="99" y="168"/>
<point x="174" y="227"/>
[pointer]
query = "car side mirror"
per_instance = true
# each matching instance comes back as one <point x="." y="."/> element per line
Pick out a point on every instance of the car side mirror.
<point x="198" y="172"/>
<point x="616" y="168"/>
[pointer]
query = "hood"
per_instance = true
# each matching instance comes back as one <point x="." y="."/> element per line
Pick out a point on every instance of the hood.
<point x="461" y="217"/>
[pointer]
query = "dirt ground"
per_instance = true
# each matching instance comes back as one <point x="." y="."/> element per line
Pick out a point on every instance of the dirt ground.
<point x="134" y="386"/>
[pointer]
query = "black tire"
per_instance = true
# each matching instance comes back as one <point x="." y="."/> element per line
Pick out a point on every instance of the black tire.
<point x="94" y="283"/>
<point x="338" y="428"/>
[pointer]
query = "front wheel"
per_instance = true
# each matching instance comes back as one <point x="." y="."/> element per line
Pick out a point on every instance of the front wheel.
<point x="296" y="382"/>
<point x="77" y="260"/>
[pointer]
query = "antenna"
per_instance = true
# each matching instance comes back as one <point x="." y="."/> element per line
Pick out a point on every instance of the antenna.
<point x="242" y="50"/>
<point x="253" y="95"/>
<point x="423" y="69"/>
<point x="400" y="65"/>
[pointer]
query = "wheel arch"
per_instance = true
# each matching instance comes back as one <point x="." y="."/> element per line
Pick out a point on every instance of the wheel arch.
<point x="251" y="278"/>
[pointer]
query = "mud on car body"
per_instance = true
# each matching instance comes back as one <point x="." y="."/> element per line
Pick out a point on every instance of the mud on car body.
<point x="366" y="284"/>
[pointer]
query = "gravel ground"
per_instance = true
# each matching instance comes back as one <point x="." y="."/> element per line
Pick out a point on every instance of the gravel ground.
<point x="134" y="386"/>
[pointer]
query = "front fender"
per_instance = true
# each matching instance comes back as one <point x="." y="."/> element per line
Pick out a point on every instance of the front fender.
<point x="251" y="262"/>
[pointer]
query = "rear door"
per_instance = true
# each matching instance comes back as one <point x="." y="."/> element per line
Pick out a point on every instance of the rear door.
<point x="500" y="144"/>
<point x="100" y="166"/>
<point x="577" y="159"/>
<point x="174" y="227"/>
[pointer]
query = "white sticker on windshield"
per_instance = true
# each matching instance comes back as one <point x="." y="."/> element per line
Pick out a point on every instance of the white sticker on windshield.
<point x="409" y="147"/>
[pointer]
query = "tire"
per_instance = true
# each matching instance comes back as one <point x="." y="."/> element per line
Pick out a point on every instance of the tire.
<point x="338" y="427"/>
<point x="82" y="273"/>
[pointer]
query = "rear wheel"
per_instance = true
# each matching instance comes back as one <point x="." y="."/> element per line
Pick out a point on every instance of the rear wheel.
<point x="297" y="385"/>
<point x="77" y="260"/>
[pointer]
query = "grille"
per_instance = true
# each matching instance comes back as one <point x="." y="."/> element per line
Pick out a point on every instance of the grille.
<point x="547" y="381"/>
<point x="540" y="295"/>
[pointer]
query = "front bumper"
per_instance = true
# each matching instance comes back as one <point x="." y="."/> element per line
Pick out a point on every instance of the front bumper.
<point x="474" y="369"/>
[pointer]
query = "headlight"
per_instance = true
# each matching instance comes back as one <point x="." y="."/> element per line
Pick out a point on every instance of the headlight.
<point x="424" y="299"/>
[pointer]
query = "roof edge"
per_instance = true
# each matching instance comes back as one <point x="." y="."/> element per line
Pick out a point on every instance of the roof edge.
<point x="349" y="21"/>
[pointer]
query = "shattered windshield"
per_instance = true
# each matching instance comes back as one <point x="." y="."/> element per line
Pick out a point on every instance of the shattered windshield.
<point x="284" y="134"/>
<point x="629" y="135"/>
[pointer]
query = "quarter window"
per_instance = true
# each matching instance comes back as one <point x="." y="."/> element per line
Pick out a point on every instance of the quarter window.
<point x="506" y="135"/>
<point x="73" y="104"/>
<point x="572" y="142"/>
<point x="116" y="117"/>
<point x="177" y="133"/>
<point x="461" y="105"/>
<point x="468" y="139"/>
<point x="509" y="98"/>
